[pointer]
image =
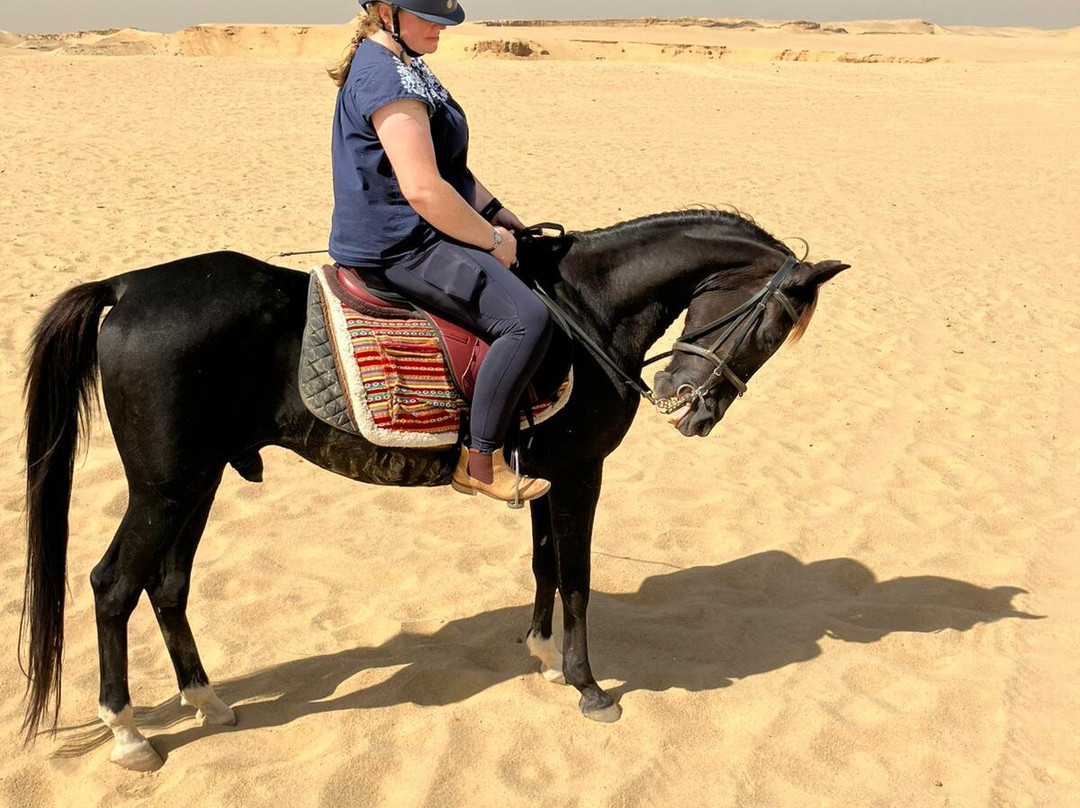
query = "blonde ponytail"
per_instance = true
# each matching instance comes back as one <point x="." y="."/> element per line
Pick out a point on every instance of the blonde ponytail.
<point x="367" y="25"/>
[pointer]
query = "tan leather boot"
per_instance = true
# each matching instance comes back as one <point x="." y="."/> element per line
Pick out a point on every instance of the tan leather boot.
<point x="505" y="485"/>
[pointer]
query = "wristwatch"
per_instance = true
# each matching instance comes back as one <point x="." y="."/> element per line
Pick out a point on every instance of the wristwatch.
<point x="498" y="240"/>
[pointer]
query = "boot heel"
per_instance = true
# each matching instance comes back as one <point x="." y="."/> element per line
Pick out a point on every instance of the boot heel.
<point x="463" y="489"/>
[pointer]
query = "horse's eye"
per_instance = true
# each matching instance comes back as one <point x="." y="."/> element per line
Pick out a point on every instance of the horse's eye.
<point x="770" y="339"/>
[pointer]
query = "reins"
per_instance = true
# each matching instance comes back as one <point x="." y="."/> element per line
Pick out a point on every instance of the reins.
<point x="568" y="324"/>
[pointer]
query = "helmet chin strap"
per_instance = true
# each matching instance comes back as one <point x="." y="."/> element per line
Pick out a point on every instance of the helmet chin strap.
<point x="395" y="26"/>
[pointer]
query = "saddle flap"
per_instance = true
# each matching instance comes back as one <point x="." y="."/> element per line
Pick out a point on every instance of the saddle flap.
<point x="464" y="353"/>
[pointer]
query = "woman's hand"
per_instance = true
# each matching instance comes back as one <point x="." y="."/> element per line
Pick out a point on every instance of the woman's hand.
<point x="506" y="218"/>
<point x="506" y="251"/>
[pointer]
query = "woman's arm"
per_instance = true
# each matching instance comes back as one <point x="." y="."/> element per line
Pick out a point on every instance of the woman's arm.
<point x="404" y="131"/>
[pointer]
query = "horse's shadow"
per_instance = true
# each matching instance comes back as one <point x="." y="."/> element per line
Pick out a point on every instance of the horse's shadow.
<point x="695" y="629"/>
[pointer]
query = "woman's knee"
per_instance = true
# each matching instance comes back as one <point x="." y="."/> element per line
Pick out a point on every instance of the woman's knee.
<point x="535" y="320"/>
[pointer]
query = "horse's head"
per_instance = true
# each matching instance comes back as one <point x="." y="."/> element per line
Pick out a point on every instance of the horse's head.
<point x="730" y="332"/>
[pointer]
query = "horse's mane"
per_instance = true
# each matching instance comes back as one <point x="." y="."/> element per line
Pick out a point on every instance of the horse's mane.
<point x="733" y="223"/>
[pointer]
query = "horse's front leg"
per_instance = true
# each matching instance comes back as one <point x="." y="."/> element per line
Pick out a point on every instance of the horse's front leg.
<point x="539" y="641"/>
<point x="573" y="505"/>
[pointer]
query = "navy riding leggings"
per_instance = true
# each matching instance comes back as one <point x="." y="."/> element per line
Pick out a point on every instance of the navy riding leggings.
<point x="474" y="289"/>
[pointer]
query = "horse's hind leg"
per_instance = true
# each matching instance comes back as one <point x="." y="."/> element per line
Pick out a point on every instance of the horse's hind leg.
<point x="168" y="592"/>
<point x="155" y="519"/>
<point x="539" y="640"/>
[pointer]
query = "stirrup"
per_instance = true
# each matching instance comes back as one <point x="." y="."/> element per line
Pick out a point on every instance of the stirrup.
<point x="516" y="504"/>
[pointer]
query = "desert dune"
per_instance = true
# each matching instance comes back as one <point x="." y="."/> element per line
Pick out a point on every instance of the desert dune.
<point x="859" y="591"/>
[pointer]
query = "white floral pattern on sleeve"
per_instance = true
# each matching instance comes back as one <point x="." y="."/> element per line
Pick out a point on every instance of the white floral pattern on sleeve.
<point x="417" y="78"/>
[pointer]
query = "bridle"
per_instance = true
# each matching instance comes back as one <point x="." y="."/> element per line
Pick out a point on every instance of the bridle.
<point x="740" y="322"/>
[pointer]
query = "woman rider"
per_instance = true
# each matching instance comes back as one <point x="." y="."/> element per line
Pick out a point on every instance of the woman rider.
<point x="407" y="206"/>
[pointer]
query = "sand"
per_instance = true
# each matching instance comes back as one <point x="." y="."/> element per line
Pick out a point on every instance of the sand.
<point x="859" y="591"/>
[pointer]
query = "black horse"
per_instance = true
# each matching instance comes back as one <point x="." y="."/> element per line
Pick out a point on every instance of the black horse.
<point x="198" y="363"/>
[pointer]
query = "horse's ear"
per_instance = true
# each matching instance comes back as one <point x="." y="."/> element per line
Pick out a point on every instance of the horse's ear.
<point x="816" y="274"/>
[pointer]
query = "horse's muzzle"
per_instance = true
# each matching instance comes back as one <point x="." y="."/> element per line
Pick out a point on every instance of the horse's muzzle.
<point x="701" y="414"/>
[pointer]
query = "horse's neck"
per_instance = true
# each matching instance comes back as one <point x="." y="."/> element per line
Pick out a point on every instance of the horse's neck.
<point x="628" y="297"/>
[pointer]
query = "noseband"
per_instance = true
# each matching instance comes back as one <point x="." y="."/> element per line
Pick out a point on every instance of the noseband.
<point x="740" y="322"/>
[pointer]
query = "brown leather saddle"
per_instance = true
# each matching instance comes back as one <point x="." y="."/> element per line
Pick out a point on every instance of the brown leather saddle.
<point x="464" y="350"/>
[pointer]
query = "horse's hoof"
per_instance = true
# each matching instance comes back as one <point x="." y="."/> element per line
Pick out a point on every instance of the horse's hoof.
<point x="218" y="715"/>
<point x="604" y="710"/>
<point x="554" y="675"/>
<point x="136" y="757"/>
<point x="209" y="708"/>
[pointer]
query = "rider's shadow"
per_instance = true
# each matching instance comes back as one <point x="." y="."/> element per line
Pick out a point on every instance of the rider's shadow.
<point x="700" y="628"/>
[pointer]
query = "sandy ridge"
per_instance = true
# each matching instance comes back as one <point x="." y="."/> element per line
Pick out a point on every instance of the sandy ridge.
<point x="647" y="39"/>
<point x="601" y="50"/>
<point x="858" y="27"/>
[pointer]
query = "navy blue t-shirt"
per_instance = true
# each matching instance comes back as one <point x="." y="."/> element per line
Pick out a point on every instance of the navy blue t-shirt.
<point x="374" y="225"/>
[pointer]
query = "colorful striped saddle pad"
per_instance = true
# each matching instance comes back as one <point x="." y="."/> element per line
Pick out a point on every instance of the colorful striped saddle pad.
<point x="382" y="371"/>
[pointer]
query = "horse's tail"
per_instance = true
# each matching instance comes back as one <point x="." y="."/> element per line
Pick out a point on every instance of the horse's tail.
<point x="61" y="391"/>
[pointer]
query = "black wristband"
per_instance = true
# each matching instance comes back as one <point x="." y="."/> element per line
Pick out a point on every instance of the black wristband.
<point x="491" y="209"/>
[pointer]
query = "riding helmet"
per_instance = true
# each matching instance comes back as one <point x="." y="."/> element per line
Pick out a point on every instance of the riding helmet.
<point x="443" y="12"/>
